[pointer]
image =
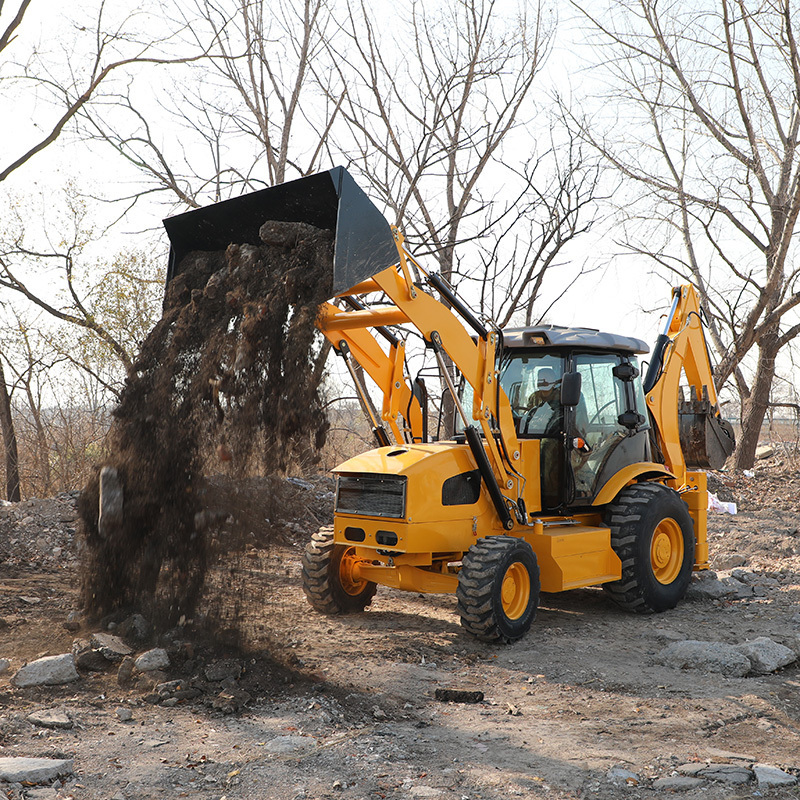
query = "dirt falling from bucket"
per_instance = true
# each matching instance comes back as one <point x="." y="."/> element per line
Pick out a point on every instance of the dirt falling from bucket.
<point x="226" y="383"/>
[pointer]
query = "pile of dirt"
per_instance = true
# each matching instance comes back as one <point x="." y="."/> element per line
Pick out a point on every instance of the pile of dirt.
<point x="225" y="383"/>
<point x="773" y="482"/>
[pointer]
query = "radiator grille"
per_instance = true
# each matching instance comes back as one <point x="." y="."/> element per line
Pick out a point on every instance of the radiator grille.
<point x="371" y="495"/>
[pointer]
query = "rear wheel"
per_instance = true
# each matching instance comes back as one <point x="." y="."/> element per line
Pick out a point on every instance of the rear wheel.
<point x="498" y="589"/>
<point x="653" y="535"/>
<point x="330" y="576"/>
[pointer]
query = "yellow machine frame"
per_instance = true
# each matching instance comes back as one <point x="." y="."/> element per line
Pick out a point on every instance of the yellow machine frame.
<point x="571" y="551"/>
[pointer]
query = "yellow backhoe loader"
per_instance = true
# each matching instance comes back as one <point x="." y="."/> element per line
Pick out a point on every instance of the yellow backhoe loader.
<point x="564" y="468"/>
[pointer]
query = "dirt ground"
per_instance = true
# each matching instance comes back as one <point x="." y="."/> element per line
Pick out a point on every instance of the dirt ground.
<point x="345" y="707"/>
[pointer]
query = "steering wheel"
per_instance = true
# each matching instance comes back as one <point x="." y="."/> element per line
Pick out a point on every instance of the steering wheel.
<point x="596" y="415"/>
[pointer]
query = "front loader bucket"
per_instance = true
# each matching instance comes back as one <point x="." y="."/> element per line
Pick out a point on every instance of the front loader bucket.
<point x="706" y="438"/>
<point x="364" y="244"/>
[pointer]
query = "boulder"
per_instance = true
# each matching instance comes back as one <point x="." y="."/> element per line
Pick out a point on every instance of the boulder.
<point x="709" y="656"/>
<point x="34" y="770"/>
<point x="726" y="773"/>
<point x="767" y="776"/>
<point x="47" y="671"/>
<point x="766" y="655"/>
<point x="152" y="659"/>
<point x="112" y="647"/>
<point x="50" y="718"/>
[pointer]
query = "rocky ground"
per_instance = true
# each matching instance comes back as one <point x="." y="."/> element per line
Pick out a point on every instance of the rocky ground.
<point x="593" y="703"/>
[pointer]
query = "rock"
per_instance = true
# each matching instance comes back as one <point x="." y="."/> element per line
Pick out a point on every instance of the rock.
<point x="44" y="793"/>
<point x="227" y="668"/>
<point x="707" y="586"/>
<point x="152" y="659"/>
<point x="112" y="647"/>
<point x="34" y="770"/>
<point x="136" y="627"/>
<point x="124" y="714"/>
<point x="692" y="768"/>
<point x="111" y="502"/>
<point x="767" y="775"/>
<point x="91" y="660"/>
<point x="622" y="775"/>
<point x="710" y="656"/>
<point x="73" y="622"/>
<point x="125" y="671"/>
<point x="677" y="783"/>
<point x="730" y="561"/>
<point x="765" y="451"/>
<point x="228" y="701"/>
<point x="50" y="719"/>
<point x="766" y="655"/>
<point x="47" y="671"/>
<point x="726" y="773"/>
<point x="284" y="745"/>
<point x="4" y="665"/>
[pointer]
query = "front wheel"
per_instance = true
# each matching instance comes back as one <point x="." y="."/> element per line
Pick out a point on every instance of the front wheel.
<point x="653" y="535"/>
<point x="330" y="576"/>
<point x="498" y="589"/>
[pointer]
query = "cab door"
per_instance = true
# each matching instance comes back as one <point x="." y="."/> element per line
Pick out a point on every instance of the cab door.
<point x="601" y="443"/>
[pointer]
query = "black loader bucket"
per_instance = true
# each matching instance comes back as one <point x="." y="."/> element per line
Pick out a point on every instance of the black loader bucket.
<point x="332" y="200"/>
<point x="706" y="438"/>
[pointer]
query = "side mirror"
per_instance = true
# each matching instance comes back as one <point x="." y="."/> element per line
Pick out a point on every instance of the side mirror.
<point x="570" y="389"/>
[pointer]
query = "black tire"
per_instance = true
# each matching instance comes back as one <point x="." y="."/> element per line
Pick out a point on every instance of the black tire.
<point x="491" y="566"/>
<point x="653" y="535"/>
<point x="325" y="579"/>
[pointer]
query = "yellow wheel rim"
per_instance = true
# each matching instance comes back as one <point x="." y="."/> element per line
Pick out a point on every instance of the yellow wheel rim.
<point x="666" y="551"/>
<point x="516" y="590"/>
<point x="349" y="578"/>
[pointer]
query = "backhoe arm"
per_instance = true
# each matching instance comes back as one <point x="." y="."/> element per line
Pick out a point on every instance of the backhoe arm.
<point x="690" y="433"/>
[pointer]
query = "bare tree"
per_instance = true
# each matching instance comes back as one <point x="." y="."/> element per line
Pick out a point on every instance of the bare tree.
<point x="430" y="109"/>
<point x="244" y="115"/>
<point x="76" y="85"/>
<point x="105" y="309"/>
<point x="707" y="124"/>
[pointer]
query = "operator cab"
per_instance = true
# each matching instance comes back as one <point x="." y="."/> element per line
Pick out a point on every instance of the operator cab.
<point x="589" y="436"/>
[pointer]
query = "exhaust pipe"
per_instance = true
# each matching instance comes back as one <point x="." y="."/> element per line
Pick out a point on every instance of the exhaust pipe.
<point x="363" y="244"/>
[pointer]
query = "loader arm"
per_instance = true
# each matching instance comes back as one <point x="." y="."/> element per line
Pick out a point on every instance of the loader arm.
<point x="445" y="333"/>
<point x="385" y="369"/>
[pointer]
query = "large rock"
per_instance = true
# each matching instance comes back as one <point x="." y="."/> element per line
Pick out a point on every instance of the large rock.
<point x="767" y="776"/>
<point x="112" y="647"/>
<point x="50" y="718"/>
<point x="710" y="586"/>
<point x="34" y="770"/>
<point x="47" y="671"/>
<point x="726" y="773"/>
<point x="152" y="659"/>
<point x="765" y="655"/>
<point x="709" y="656"/>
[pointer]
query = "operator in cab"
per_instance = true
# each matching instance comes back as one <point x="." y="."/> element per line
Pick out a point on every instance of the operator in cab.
<point x="545" y="415"/>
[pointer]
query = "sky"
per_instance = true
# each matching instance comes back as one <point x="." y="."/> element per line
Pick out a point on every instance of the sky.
<point x="611" y="297"/>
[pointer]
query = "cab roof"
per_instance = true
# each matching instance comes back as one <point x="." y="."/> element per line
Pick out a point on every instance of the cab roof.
<point x="560" y="336"/>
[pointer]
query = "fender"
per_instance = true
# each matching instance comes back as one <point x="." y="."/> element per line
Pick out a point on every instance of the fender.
<point x="643" y="471"/>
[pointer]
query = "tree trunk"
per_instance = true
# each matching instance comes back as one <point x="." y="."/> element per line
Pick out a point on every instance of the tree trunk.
<point x="755" y="407"/>
<point x="10" y="441"/>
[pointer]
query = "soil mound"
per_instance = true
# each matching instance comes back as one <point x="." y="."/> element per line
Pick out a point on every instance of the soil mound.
<point x="225" y="383"/>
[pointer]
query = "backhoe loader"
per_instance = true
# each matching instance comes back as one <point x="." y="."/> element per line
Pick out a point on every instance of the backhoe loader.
<point x="564" y="468"/>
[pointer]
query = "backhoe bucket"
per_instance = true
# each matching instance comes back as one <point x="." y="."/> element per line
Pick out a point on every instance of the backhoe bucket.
<point x="706" y="438"/>
<point x="364" y="244"/>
